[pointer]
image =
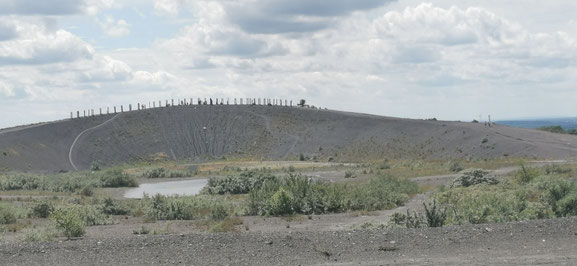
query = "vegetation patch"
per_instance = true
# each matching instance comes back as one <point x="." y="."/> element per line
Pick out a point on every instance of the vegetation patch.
<point x="297" y="194"/>
<point x="164" y="173"/>
<point x="530" y="194"/>
<point x="558" y="129"/>
<point x="67" y="182"/>
<point x="239" y="184"/>
<point x="473" y="177"/>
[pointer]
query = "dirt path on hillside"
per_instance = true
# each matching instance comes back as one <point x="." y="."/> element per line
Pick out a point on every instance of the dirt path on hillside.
<point x="70" y="157"/>
<point x="267" y="123"/>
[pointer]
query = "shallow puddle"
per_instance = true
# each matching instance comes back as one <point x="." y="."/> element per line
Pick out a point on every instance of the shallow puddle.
<point x="171" y="188"/>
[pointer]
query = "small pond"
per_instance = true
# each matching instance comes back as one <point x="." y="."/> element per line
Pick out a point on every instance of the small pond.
<point x="170" y="188"/>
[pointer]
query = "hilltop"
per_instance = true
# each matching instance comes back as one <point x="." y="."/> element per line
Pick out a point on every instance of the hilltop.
<point x="256" y="132"/>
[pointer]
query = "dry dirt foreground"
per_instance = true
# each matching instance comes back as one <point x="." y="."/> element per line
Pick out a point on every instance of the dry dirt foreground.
<point x="551" y="242"/>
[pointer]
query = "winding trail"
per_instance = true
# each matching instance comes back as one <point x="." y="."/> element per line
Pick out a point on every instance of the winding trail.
<point x="268" y="128"/>
<point x="81" y="133"/>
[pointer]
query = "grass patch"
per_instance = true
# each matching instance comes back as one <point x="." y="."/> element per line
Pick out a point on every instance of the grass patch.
<point x="67" y="182"/>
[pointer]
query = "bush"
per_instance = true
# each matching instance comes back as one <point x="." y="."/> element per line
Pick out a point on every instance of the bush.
<point x="556" y="169"/>
<point x="280" y="203"/>
<point x="6" y="214"/>
<point x="218" y="213"/>
<point x="296" y="194"/>
<point x="455" y="167"/>
<point x="349" y="174"/>
<point x="117" y="178"/>
<point x="435" y="215"/>
<point x="408" y="220"/>
<point x="96" y="166"/>
<point x="163" y="173"/>
<point x="473" y="177"/>
<point x="244" y="183"/>
<point x="183" y="208"/>
<point x="87" y="191"/>
<point x="42" y="210"/>
<point x="526" y="174"/>
<point x="114" y="207"/>
<point x="567" y="206"/>
<point x="155" y="173"/>
<point x="69" y="221"/>
<point x="80" y="182"/>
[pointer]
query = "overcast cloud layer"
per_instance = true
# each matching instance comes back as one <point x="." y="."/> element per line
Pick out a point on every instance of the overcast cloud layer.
<point x="453" y="60"/>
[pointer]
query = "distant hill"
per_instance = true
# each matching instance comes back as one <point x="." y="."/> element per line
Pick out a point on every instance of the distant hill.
<point x="565" y="123"/>
<point x="205" y="132"/>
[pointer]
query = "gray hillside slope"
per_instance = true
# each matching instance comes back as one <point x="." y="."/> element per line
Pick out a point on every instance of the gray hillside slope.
<point x="265" y="132"/>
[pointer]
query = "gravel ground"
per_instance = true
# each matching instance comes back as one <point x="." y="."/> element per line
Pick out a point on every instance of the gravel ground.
<point x="551" y="242"/>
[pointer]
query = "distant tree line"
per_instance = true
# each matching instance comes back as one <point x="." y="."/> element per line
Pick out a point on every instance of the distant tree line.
<point x="558" y="129"/>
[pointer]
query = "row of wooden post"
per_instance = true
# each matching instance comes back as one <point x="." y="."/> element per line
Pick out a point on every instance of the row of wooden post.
<point x="216" y="101"/>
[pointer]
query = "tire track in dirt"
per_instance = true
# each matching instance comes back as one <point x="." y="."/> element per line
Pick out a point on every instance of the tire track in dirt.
<point x="80" y="135"/>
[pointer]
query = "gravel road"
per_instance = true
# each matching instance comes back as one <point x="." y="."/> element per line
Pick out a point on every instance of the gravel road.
<point x="551" y="242"/>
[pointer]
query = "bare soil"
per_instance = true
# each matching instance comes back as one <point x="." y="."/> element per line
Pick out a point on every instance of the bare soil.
<point x="551" y="242"/>
<point x="209" y="133"/>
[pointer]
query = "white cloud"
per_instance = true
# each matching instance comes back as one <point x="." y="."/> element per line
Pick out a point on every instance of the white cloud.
<point x="105" y="69"/>
<point x="6" y="89"/>
<point x="37" y="44"/>
<point x="114" y="28"/>
<point x="429" y="24"/>
<point x="7" y="30"/>
<point x="54" y="7"/>
<point x="168" y="7"/>
<point x="360" y="56"/>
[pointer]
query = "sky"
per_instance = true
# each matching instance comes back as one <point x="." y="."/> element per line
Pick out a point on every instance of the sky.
<point x="451" y="60"/>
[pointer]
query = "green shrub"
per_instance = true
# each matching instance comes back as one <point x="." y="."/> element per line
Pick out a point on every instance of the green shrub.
<point x="87" y="191"/>
<point x="296" y="194"/>
<point x="473" y="177"/>
<point x="42" y="210"/>
<point x="182" y="208"/>
<point x="567" y="206"/>
<point x="456" y="167"/>
<point x="280" y="203"/>
<point x="244" y="183"/>
<point x="114" y="207"/>
<point x="96" y="166"/>
<point x="436" y="216"/>
<point x="69" y="221"/>
<point x="218" y="213"/>
<point x="155" y="173"/>
<point x="556" y="169"/>
<point x="526" y="174"/>
<point x="7" y="214"/>
<point x="80" y="182"/>
<point x="117" y="178"/>
<point x="349" y="174"/>
<point x="384" y="165"/>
